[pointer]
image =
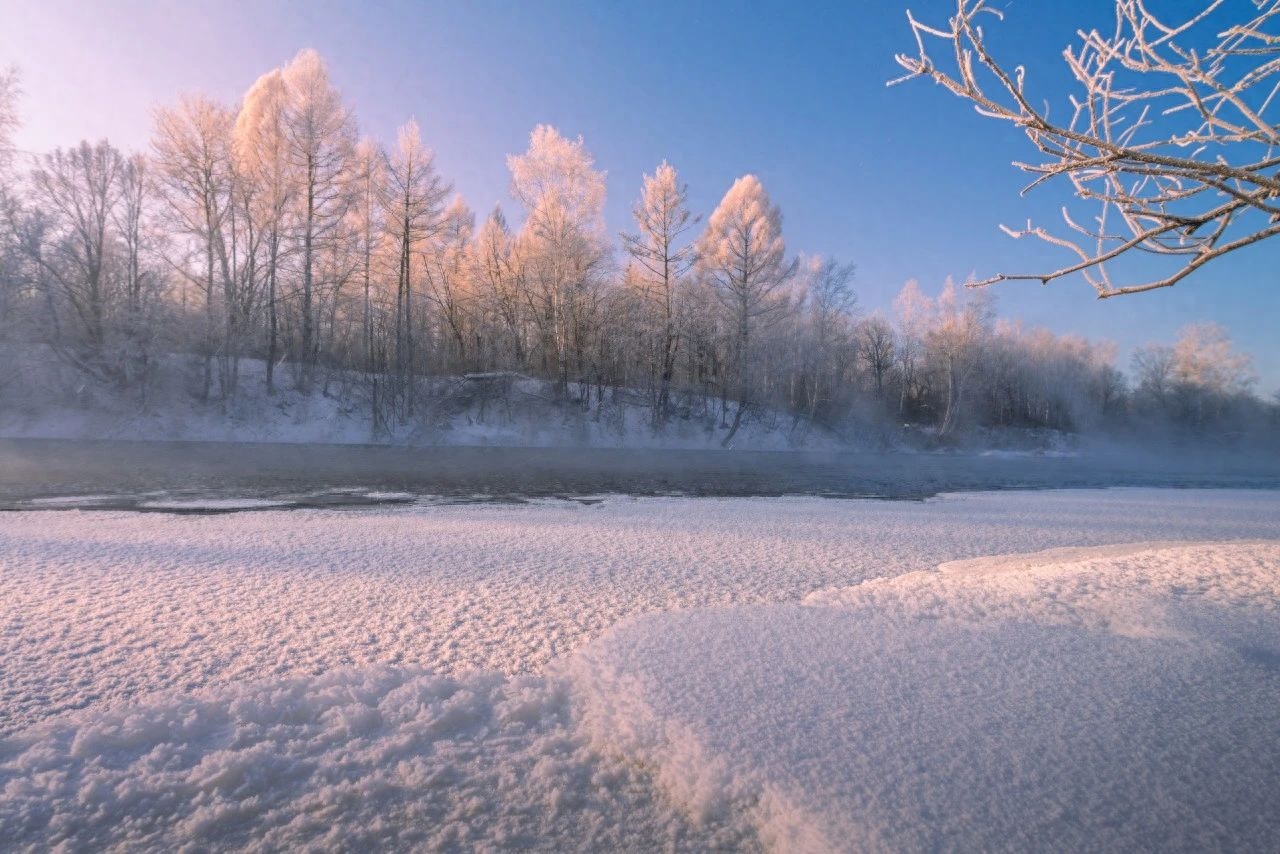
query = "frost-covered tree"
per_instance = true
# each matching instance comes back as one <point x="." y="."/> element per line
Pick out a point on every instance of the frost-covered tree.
<point x="413" y="202"/>
<point x="560" y="251"/>
<point x="448" y="280"/>
<point x="260" y="147"/>
<point x="132" y="218"/>
<point x="195" y="170"/>
<point x="826" y="306"/>
<point x="743" y="256"/>
<point x="875" y="346"/>
<point x="320" y="136"/>
<point x="370" y="188"/>
<point x="8" y="117"/>
<point x="662" y="258"/>
<point x="498" y="286"/>
<point x="1194" y="382"/>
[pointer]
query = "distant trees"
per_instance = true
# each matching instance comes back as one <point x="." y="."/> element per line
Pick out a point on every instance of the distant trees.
<point x="261" y="243"/>
<point x="1196" y="382"/>
<point x="1170" y="138"/>
<point x="8" y="114"/>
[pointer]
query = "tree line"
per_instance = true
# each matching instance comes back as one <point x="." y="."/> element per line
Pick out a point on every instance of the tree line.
<point x="271" y="231"/>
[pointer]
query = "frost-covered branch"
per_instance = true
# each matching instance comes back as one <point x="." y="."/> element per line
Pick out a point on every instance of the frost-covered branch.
<point x="1172" y="134"/>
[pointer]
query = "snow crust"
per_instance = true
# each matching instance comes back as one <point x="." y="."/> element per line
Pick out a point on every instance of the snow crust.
<point x="685" y="674"/>
<point x="1118" y="699"/>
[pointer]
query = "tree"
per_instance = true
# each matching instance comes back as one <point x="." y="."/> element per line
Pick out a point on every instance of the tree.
<point x="448" y="277"/>
<point x="827" y="306"/>
<point x="260" y="145"/>
<point x="1171" y="138"/>
<point x="414" y="195"/>
<point x="79" y="189"/>
<point x="320" y="135"/>
<point x="9" y="92"/>
<point x="498" y="283"/>
<point x="744" y="258"/>
<point x="560" y="250"/>
<point x="875" y="343"/>
<point x="195" y="170"/>
<point x="130" y="218"/>
<point x="662" y="217"/>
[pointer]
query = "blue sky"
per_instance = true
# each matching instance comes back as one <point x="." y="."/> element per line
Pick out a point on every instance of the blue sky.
<point x="905" y="182"/>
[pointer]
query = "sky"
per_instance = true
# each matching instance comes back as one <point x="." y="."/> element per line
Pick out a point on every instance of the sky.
<point x="904" y="182"/>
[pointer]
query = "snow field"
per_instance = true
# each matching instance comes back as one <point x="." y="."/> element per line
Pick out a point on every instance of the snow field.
<point x="471" y="676"/>
<point x="1118" y="699"/>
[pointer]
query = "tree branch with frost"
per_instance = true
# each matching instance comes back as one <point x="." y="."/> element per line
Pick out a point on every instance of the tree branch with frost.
<point x="1172" y="134"/>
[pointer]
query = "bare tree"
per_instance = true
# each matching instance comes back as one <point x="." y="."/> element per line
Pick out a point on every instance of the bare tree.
<point x="79" y="189"/>
<point x="9" y="92"/>
<point x="875" y="343"/>
<point x="194" y="170"/>
<point x="1172" y="136"/>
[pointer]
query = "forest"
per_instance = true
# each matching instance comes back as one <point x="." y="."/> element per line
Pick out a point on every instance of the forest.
<point x="269" y="233"/>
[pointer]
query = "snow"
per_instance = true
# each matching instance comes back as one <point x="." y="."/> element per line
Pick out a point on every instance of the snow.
<point x="1118" y="699"/>
<point x="647" y="673"/>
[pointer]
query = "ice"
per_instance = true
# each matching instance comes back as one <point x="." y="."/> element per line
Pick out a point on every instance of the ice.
<point x="212" y="504"/>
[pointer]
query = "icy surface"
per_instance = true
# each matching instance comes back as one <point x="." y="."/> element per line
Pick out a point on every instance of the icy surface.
<point x="469" y="676"/>
<point x="1124" y="700"/>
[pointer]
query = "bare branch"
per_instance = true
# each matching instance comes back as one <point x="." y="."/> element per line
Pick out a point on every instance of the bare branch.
<point x="1173" y="134"/>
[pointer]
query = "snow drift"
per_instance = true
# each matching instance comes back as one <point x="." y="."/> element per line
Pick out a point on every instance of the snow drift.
<point x="1125" y="699"/>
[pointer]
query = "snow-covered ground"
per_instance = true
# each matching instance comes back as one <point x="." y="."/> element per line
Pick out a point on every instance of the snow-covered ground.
<point x="648" y="673"/>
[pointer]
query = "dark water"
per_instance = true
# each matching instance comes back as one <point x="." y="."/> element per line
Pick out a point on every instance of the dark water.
<point x="35" y="474"/>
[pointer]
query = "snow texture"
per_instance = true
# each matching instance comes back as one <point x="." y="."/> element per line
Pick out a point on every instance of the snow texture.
<point x="1112" y="700"/>
<point x="472" y="676"/>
